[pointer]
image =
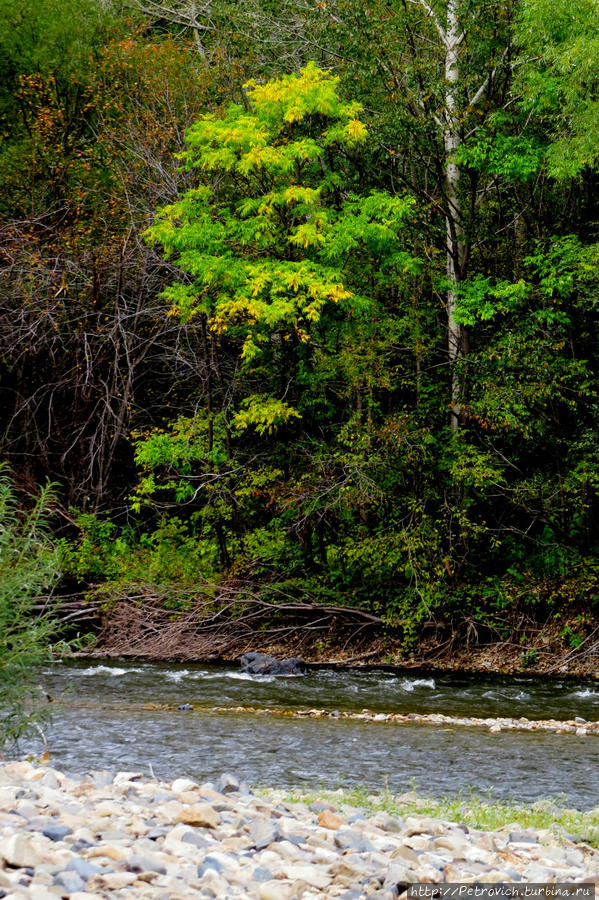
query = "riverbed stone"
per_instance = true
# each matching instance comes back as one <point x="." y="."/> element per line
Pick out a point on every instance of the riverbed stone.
<point x="329" y="819"/>
<point x="350" y="840"/>
<point x="261" y="874"/>
<point x="56" y="832"/>
<point x="139" y="863"/>
<point x="85" y="895"/>
<point x="83" y="868"/>
<point x="227" y="784"/>
<point x="19" y="850"/>
<point x="111" y="881"/>
<point x="452" y="842"/>
<point x="197" y="840"/>
<point x="275" y="890"/>
<point x="199" y="814"/>
<point x="113" y="852"/>
<point x="522" y="837"/>
<point x="70" y="881"/>
<point x="398" y="875"/>
<point x="128" y="844"/>
<point x="40" y="892"/>
<point x="263" y="833"/>
<point x="181" y="785"/>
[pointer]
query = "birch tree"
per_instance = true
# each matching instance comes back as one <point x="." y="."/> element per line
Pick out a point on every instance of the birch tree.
<point x="184" y="15"/>
<point x="432" y="76"/>
<point x="454" y="118"/>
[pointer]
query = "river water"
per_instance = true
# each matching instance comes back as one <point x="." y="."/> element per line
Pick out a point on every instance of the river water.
<point x="100" y="723"/>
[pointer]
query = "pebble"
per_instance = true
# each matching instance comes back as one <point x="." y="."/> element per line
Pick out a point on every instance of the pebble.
<point x="200" y="814"/>
<point x="128" y="836"/>
<point x="263" y="833"/>
<point x="328" y="819"/>
<point x="56" y="832"/>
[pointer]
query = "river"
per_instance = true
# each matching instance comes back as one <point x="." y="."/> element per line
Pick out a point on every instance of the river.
<point x="100" y="722"/>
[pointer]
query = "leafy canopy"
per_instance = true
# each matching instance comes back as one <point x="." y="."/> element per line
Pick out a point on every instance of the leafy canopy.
<point x="277" y="230"/>
<point x="560" y="42"/>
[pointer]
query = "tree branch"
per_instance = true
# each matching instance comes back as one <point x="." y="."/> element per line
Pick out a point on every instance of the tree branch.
<point x="431" y="14"/>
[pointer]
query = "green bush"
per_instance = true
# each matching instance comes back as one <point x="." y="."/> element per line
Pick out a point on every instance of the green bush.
<point x="29" y="567"/>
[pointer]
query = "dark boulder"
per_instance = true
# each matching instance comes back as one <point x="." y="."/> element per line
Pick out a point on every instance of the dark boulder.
<point x="263" y="664"/>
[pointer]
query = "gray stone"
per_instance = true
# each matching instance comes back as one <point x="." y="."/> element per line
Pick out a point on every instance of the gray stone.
<point x="50" y="780"/>
<point x="70" y="881"/>
<point x="227" y="784"/>
<point x="139" y="863"/>
<point x="406" y="854"/>
<point x="263" y="833"/>
<point x="56" y="832"/>
<point x="399" y="875"/>
<point x="297" y="839"/>
<point x="82" y="867"/>
<point x="389" y="823"/>
<point x="192" y="837"/>
<point x="81" y="844"/>
<point x="511" y="873"/>
<point x="263" y="664"/>
<point x="349" y="840"/>
<point x="261" y="874"/>
<point x="102" y="778"/>
<point x="453" y="842"/>
<point x="210" y="863"/>
<point x="522" y="837"/>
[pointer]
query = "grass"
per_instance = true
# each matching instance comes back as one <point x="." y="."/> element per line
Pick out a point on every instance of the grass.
<point x="482" y="813"/>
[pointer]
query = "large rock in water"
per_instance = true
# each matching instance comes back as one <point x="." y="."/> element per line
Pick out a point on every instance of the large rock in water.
<point x="263" y="664"/>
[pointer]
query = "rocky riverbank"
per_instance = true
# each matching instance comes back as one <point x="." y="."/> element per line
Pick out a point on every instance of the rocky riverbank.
<point x="101" y="836"/>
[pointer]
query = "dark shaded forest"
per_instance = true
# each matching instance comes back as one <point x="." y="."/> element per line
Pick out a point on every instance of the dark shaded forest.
<point x="299" y="309"/>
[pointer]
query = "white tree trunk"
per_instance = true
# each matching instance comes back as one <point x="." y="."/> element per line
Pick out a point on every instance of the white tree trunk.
<point x="455" y="238"/>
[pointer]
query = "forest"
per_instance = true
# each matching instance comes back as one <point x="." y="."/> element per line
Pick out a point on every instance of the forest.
<point x="299" y="309"/>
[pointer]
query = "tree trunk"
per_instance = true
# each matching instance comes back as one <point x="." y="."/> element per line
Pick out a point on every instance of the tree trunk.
<point x="453" y="214"/>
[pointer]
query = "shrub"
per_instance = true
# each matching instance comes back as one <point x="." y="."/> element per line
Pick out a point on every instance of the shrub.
<point x="29" y="567"/>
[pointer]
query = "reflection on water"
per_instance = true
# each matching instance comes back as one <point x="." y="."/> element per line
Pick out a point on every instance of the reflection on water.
<point x="101" y="725"/>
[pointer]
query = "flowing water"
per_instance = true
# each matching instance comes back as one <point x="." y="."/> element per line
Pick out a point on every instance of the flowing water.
<point x="100" y="722"/>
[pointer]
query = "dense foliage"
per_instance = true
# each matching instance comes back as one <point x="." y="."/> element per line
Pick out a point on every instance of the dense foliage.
<point x="29" y="568"/>
<point x="331" y="331"/>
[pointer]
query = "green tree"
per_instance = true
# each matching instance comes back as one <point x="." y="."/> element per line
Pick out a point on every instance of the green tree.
<point x="279" y="233"/>
<point x="291" y="265"/>
<point x="434" y="79"/>
<point x="559" y="44"/>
